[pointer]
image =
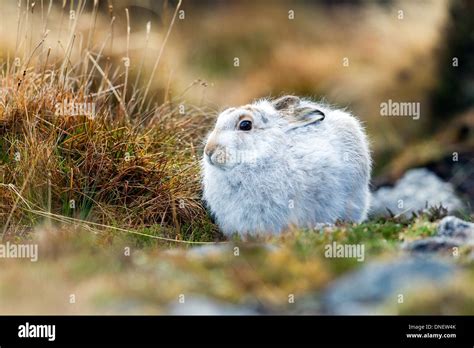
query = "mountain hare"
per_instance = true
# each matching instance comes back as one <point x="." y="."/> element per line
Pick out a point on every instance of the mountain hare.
<point x="285" y="162"/>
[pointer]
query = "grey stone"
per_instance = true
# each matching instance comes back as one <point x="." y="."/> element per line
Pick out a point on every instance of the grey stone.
<point x="361" y="291"/>
<point x="452" y="232"/>
<point x="205" y="306"/>
<point x="432" y="244"/>
<point x="453" y="227"/>
<point x="209" y="250"/>
<point x="414" y="190"/>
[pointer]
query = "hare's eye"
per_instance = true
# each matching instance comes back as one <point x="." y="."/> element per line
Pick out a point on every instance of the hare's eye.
<point x="245" y="125"/>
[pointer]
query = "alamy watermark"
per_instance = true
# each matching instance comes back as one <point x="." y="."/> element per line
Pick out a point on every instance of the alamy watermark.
<point x="235" y="157"/>
<point x="19" y="251"/>
<point x="350" y="251"/>
<point x="394" y="108"/>
<point x="28" y="330"/>
<point x="71" y="108"/>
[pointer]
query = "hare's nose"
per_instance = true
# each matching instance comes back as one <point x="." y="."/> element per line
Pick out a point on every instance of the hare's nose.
<point x="210" y="148"/>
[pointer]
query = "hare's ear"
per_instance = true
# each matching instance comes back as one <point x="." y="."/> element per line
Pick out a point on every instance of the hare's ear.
<point x="286" y="102"/>
<point x="304" y="116"/>
<point x="297" y="115"/>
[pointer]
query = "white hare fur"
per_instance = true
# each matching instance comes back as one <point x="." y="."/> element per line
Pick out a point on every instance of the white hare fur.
<point x="301" y="163"/>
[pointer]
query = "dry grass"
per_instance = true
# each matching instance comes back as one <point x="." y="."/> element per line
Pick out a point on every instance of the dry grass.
<point x="133" y="164"/>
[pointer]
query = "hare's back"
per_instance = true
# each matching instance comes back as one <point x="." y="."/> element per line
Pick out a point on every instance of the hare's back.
<point x="351" y="140"/>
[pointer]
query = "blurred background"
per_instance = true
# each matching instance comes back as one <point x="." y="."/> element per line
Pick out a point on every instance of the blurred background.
<point x="355" y="54"/>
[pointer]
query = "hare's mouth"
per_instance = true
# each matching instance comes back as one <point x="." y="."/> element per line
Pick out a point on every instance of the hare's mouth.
<point x="221" y="163"/>
<point x="229" y="159"/>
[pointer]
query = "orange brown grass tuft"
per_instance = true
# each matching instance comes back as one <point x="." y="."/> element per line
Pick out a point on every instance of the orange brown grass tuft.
<point x="132" y="163"/>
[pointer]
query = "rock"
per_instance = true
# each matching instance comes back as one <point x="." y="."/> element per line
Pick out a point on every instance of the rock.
<point x="361" y="291"/>
<point x="412" y="192"/>
<point x="200" y="251"/>
<point x="432" y="244"/>
<point x="452" y="232"/>
<point x="205" y="306"/>
<point x="216" y="250"/>
<point x="209" y="250"/>
<point x="453" y="227"/>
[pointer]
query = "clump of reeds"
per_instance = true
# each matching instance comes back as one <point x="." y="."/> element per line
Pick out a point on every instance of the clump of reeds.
<point x="120" y="158"/>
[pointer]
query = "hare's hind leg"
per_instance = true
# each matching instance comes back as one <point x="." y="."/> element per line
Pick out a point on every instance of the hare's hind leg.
<point x="357" y="204"/>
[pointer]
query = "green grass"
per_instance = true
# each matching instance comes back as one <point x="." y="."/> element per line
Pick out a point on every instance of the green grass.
<point x="118" y="271"/>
